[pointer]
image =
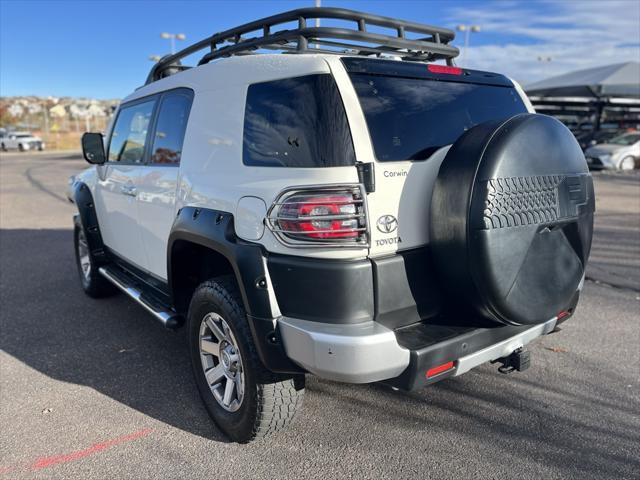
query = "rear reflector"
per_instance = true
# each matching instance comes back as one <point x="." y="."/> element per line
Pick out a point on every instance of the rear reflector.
<point x="432" y="372"/>
<point x="444" y="69"/>
<point x="563" y="314"/>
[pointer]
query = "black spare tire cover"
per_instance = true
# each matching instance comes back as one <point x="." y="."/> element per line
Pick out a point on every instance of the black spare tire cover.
<point x="512" y="219"/>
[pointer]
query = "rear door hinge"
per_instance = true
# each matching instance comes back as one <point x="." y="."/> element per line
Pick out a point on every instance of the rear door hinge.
<point x="367" y="176"/>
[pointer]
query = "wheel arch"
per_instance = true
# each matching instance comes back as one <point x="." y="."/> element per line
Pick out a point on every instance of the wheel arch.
<point x="203" y="244"/>
<point x="201" y="236"/>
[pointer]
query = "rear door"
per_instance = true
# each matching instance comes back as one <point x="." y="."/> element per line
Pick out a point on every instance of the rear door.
<point x="157" y="182"/>
<point x="117" y="187"/>
<point x="413" y="116"/>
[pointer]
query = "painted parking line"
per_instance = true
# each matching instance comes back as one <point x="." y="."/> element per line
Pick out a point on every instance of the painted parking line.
<point x="46" y="462"/>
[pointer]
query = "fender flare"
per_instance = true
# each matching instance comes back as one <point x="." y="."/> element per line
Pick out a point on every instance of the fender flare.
<point x="214" y="229"/>
<point x="87" y="218"/>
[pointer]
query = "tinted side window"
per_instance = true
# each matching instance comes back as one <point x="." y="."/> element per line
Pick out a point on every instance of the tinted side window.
<point x="130" y="133"/>
<point x="296" y="122"/>
<point x="170" y="128"/>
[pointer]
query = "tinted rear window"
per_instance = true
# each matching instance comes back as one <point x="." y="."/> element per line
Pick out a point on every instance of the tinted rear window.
<point x="409" y="119"/>
<point x="296" y="122"/>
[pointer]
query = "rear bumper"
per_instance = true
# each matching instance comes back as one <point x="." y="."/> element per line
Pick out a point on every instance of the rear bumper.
<point x="359" y="353"/>
<point x="370" y="352"/>
<point x="503" y="348"/>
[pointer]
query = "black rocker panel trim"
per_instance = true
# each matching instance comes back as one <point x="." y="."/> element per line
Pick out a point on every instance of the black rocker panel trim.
<point x="215" y="230"/>
<point x="323" y="290"/>
<point x="149" y="284"/>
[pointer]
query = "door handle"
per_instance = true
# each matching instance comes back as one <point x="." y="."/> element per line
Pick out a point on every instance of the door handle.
<point x="129" y="190"/>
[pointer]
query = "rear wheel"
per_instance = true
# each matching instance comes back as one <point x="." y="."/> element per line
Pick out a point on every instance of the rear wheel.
<point x="243" y="398"/>
<point x="628" y="163"/>
<point x="21" y="147"/>
<point x="93" y="284"/>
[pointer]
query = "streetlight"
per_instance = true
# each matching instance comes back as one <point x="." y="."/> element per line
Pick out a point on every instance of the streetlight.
<point x="154" y="58"/>
<point x="467" y="29"/>
<point x="173" y="37"/>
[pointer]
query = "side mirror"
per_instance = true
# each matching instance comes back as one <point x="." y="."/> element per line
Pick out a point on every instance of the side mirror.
<point x="93" y="148"/>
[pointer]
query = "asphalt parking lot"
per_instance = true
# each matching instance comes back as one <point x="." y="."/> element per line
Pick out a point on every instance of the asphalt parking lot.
<point x="96" y="389"/>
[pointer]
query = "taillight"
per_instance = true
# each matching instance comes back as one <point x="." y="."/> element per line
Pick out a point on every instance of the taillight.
<point x="320" y="216"/>
<point x="444" y="69"/>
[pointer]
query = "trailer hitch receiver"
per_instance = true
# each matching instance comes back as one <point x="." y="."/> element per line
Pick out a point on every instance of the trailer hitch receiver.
<point x="519" y="360"/>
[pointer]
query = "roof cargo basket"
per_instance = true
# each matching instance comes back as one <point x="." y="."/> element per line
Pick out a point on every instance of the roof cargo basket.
<point x="434" y="45"/>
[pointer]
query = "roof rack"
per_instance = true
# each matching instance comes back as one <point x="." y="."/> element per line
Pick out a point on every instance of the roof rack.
<point x="357" y="41"/>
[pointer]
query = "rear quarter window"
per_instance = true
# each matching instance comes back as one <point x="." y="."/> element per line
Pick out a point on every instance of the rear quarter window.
<point x="411" y="118"/>
<point x="296" y="122"/>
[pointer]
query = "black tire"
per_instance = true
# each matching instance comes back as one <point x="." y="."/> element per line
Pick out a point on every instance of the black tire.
<point x="93" y="284"/>
<point x="512" y="219"/>
<point x="3" y="147"/>
<point x="270" y="402"/>
<point x="20" y="147"/>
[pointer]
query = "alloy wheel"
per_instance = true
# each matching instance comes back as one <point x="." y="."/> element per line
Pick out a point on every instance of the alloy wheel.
<point x="221" y="362"/>
<point x="83" y="254"/>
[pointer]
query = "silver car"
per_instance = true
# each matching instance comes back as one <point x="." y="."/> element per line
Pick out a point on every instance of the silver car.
<point x="619" y="153"/>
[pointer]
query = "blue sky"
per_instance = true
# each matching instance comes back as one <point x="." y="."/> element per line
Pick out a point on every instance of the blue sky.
<point x="100" y="49"/>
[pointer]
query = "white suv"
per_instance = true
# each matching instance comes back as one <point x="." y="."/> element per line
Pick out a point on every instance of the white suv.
<point x="354" y="211"/>
<point x="21" y="141"/>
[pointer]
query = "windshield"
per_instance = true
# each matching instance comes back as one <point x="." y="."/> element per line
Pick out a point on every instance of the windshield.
<point x="23" y="135"/>
<point x="626" y="139"/>
<point x="411" y="118"/>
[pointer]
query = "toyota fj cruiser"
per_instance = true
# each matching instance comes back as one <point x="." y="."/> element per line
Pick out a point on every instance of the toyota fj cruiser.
<point x="347" y="207"/>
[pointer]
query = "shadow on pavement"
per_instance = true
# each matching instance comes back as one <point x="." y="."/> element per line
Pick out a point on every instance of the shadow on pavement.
<point x="110" y="345"/>
<point x="114" y="347"/>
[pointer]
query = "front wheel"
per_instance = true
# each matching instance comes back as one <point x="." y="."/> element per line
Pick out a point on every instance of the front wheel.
<point x="21" y="147"/>
<point x="93" y="284"/>
<point x="242" y="397"/>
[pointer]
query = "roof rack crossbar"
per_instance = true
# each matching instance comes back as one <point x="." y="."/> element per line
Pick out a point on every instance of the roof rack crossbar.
<point x="433" y="46"/>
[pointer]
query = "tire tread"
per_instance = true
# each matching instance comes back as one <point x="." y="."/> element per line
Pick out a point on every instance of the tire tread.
<point x="278" y="398"/>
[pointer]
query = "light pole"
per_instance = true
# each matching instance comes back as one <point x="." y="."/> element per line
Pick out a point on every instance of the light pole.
<point x="173" y="37"/>
<point x="467" y="29"/>
<point x="318" y="4"/>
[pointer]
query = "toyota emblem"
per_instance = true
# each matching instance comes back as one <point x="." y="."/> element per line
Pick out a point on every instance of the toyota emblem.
<point x="387" y="224"/>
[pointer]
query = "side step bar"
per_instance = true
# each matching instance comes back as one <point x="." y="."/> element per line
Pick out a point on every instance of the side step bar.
<point x="164" y="315"/>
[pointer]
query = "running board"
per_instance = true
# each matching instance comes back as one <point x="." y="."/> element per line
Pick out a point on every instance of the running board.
<point x="164" y="315"/>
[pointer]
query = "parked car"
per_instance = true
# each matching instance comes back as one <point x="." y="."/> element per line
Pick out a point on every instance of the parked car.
<point x="590" y="138"/>
<point x="21" y="141"/>
<point x="619" y="153"/>
<point x="355" y="217"/>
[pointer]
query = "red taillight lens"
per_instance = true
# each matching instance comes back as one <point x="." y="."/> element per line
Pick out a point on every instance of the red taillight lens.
<point x="444" y="69"/>
<point x="321" y="217"/>
<point x="329" y="216"/>
<point x="432" y="372"/>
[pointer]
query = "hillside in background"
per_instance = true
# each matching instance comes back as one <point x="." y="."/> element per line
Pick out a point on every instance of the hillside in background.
<point x="60" y="121"/>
